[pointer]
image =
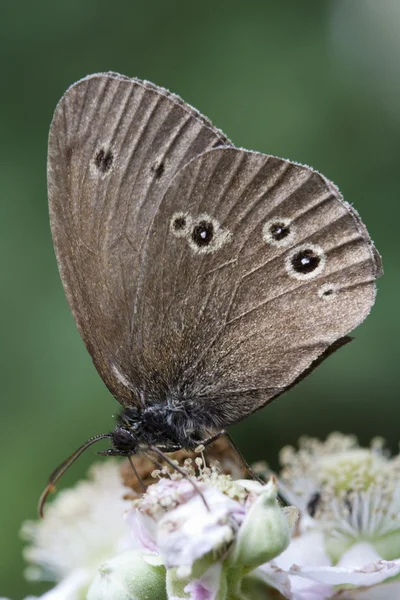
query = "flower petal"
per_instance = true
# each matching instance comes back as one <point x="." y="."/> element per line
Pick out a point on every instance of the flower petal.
<point x="83" y="526"/>
<point x="294" y="588"/>
<point x="307" y="549"/>
<point x="71" y="588"/>
<point x="358" y="555"/>
<point x="207" y="586"/>
<point x="368" y="575"/>
<point x="190" y="531"/>
<point x="275" y="577"/>
<point x="143" y="529"/>
<point x="384" y="591"/>
<point x="294" y="582"/>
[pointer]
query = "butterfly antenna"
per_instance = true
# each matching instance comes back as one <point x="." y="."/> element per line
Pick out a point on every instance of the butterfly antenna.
<point x="140" y="480"/>
<point x="59" y="472"/>
<point x="181" y="471"/>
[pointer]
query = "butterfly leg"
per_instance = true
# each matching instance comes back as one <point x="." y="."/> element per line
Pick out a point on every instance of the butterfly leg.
<point x="140" y="480"/>
<point x="246" y="465"/>
<point x="170" y="448"/>
<point x="244" y="461"/>
<point x="212" y="438"/>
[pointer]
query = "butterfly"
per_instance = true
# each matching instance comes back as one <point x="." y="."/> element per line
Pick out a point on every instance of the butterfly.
<point x="205" y="279"/>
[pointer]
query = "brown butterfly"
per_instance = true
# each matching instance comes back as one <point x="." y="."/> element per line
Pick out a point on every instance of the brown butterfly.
<point x="205" y="280"/>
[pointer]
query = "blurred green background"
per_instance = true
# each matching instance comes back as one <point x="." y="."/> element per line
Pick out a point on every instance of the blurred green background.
<point x="327" y="74"/>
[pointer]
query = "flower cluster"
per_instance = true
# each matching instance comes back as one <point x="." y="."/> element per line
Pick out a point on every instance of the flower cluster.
<point x="205" y="540"/>
<point x="207" y="536"/>
<point x="347" y="543"/>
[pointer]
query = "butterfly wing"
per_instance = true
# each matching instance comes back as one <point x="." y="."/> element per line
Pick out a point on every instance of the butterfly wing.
<point x="115" y="144"/>
<point x="255" y="268"/>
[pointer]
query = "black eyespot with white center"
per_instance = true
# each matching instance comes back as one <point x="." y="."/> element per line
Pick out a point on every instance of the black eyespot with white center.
<point x="203" y="233"/>
<point x="305" y="262"/>
<point x="278" y="232"/>
<point x="104" y="160"/>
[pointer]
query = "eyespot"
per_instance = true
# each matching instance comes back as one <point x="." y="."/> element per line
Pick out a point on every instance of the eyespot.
<point x="305" y="262"/>
<point x="328" y="291"/>
<point x="180" y="224"/>
<point x="158" y="169"/>
<point x="203" y="233"/>
<point x="206" y="235"/>
<point x="278" y="231"/>
<point x="104" y="160"/>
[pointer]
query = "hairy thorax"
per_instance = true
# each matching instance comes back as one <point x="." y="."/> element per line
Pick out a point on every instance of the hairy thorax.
<point x="159" y="424"/>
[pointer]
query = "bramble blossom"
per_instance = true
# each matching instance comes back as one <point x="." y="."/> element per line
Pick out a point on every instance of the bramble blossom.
<point x="207" y="537"/>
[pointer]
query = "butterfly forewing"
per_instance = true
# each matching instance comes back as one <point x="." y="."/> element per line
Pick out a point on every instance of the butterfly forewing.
<point x="114" y="145"/>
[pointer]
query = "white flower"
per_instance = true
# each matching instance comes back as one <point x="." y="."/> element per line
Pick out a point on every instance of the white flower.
<point x="82" y="527"/>
<point x="206" y="537"/>
<point x="347" y="543"/>
<point x="191" y="530"/>
<point x="209" y="540"/>
<point x="305" y="572"/>
<point x="172" y="518"/>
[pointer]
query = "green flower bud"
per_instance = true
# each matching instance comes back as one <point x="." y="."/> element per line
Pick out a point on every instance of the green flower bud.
<point x="128" y="577"/>
<point x="265" y="531"/>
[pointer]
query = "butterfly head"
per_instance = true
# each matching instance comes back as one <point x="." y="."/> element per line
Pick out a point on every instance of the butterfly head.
<point x="124" y="442"/>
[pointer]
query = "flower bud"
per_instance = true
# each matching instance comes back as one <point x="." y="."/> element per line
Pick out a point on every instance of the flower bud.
<point x="128" y="577"/>
<point x="265" y="531"/>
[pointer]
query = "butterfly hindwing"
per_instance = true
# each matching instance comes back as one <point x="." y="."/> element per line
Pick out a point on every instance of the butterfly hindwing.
<point x="255" y="267"/>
